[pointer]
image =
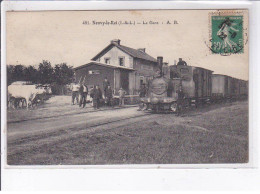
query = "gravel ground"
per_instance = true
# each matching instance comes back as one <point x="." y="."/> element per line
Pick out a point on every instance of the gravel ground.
<point x="211" y="134"/>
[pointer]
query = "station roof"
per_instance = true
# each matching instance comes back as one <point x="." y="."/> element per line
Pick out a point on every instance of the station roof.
<point x="130" y="51"/>
<point x="104" y="65"/>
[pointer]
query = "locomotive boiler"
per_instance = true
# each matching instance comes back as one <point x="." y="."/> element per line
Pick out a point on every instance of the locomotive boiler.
<point x="162" y="91"/>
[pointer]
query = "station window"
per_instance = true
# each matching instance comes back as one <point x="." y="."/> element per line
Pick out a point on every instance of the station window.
<point x="121" y="61"/>
<point x="146" y="67"/>
<point x="141" y="80"/>
<point x="107" y="60"/>
<point x="94" y="72"/>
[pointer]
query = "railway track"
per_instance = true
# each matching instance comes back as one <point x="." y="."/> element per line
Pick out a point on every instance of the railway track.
<point x="33" y="142"/>
<point x="67" y="114"/>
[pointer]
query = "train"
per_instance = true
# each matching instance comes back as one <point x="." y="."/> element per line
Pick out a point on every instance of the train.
<point x="199" y="86"/>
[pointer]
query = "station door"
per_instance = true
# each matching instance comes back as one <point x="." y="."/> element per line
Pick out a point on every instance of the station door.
<point x="124" y="79"/>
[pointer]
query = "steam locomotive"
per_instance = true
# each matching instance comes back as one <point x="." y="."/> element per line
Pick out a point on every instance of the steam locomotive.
<point x="199" y="86"/>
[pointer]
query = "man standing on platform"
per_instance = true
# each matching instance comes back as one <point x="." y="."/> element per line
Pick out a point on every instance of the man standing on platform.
<point x="96" y="95"/>
<point x="121" y="96"/>
<point x="105" y="86"/>
<point x="142" y="93"/>
<point x="75" y="92"/>
<point x="83" y="90"/>
<point x="109" y="96"/>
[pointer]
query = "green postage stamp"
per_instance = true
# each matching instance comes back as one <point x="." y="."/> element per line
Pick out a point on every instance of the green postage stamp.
<point x="227" y="34"/>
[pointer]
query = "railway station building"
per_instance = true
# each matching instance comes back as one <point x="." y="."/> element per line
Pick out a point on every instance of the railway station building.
<point x="123" y="67"/>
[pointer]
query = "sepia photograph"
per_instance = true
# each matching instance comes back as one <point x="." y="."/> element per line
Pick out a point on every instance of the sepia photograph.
<point x="127" y="87"/>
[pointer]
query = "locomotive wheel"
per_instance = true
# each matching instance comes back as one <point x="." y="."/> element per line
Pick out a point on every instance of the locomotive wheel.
<point x="174" y="107"/>
<point x="155" y="108"/>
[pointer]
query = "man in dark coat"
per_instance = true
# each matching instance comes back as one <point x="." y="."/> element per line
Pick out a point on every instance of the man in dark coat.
<point x="109" y="96"/>
<point x="105" y="85"/>
<point x="142" y="93"/>
<point x="180" y="99"/>
<point x="96" y="95"/>
<point x="83" y="91"/>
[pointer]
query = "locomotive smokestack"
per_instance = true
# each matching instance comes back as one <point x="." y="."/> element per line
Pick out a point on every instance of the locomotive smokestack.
<point x="160" y="63"/>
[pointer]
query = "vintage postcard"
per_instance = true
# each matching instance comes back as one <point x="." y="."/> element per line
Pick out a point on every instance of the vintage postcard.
<point x="127" y="87"/>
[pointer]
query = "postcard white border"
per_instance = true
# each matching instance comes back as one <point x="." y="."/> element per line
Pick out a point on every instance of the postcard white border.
<point x="118" y="176"/>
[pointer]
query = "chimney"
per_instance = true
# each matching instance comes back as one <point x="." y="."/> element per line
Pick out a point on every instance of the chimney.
<point x="165" y="70"/>
<point x="116" y="41"/>
<point x="141" y="49"/>
<point x="160" y="63"/>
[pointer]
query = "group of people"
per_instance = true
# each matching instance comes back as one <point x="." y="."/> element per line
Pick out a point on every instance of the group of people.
<point x="80" y="92"/>
<point x="108" y="94"/>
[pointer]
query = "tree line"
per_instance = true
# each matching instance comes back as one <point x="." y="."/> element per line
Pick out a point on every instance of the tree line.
<point x="44" y="73"/>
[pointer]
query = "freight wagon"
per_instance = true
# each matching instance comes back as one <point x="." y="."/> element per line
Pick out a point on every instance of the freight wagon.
<point x="243" y="88"/>
<point x="228" y="88"/>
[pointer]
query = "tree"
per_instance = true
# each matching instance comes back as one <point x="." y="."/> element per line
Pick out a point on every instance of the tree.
<point x="45" y="73"/>
<point x="10" y="76"/>
<point x="18" y="73"/>
<point x="59" y="76"/>
<point x="63" y="74"/>
<point x="30" y="74"/>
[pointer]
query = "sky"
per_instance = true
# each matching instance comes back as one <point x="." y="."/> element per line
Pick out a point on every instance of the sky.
<point x="65" y="36"/>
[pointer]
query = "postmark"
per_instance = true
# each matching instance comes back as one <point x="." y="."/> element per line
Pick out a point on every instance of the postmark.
<point x="227" y="33"/>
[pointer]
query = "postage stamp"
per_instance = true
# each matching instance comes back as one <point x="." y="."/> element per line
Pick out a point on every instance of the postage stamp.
<point x="227" y="33"/>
